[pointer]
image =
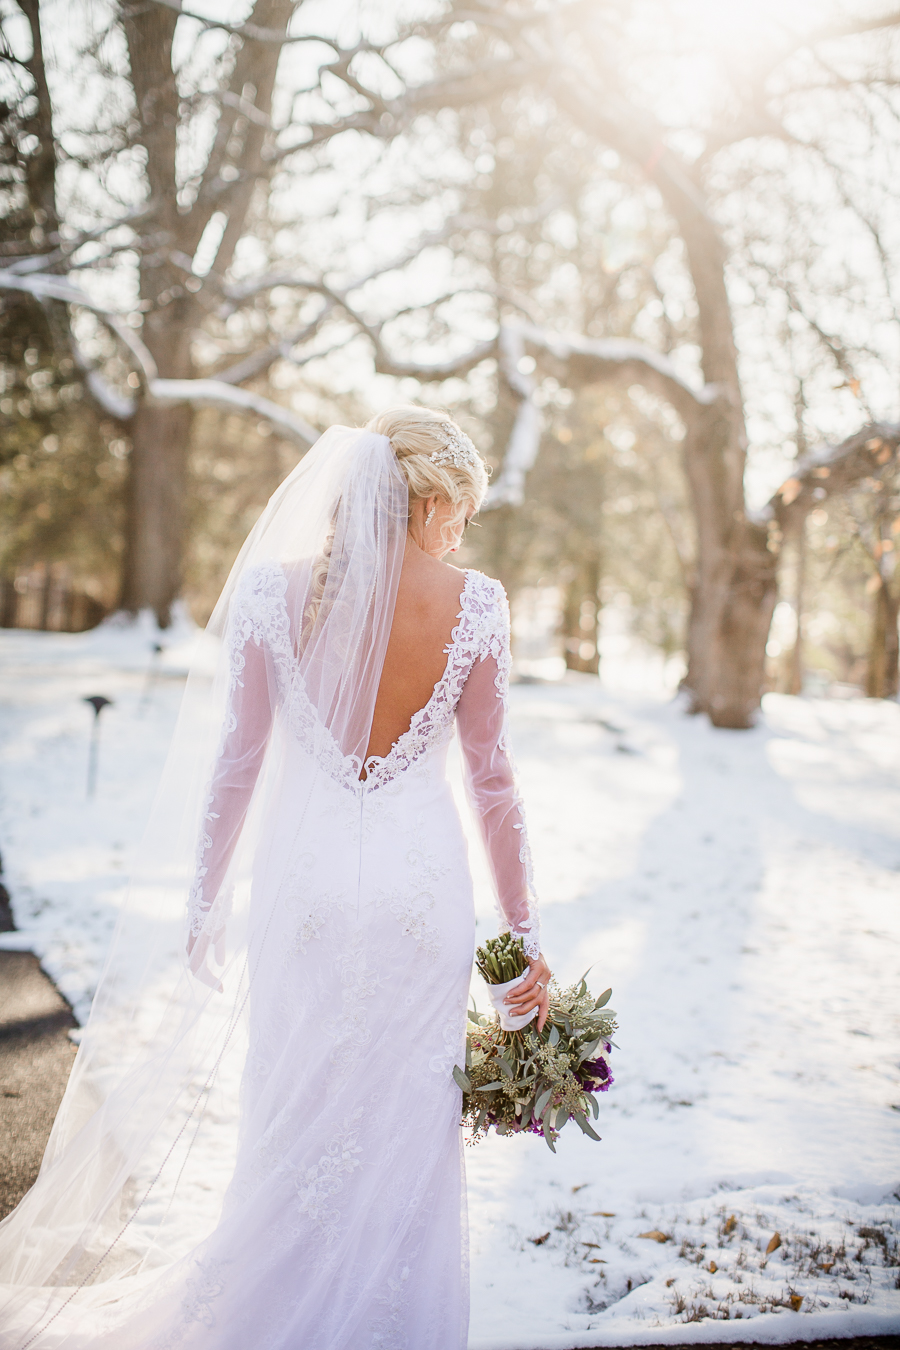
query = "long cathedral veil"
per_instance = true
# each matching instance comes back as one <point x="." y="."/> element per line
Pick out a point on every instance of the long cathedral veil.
<point x="143" y="1145"/>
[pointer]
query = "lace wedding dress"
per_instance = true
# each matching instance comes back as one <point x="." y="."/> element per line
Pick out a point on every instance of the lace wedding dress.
<point x="344" y="1225"/>
<point x="331" y="929"/>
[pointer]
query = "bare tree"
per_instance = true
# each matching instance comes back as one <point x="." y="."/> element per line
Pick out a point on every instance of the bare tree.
<point x="580" y="67"/>
<point x="223" y="193"/>
<point x="589" y="79"/>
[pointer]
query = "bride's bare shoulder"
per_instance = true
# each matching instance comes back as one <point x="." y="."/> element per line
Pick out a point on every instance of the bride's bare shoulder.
<point x="430" y="591"/>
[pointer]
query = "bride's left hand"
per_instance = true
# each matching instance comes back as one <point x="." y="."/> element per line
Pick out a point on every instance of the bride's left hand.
<point x="528" y="995"/>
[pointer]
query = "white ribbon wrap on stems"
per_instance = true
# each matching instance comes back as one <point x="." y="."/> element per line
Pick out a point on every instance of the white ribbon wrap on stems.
<point x="509" y="1021"/>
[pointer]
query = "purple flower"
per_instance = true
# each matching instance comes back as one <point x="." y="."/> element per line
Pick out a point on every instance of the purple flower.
<point x="595" y="1075"/>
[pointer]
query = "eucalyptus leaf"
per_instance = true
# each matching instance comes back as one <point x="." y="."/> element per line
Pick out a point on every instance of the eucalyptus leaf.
<point x="603" y="999"/>
<point x="554" y="1035"/>
<point x="582" y="1121"/>
<point x="542" y="1102"/>
<point x="461" y="1080"/>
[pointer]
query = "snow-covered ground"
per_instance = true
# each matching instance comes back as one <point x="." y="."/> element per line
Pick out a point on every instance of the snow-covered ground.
<point x="739" y="891"/>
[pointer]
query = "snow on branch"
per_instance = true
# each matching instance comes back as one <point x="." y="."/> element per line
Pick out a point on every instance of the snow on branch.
<point x="589" y="359"/>
<point x="229" y="398"/>
<point x="430" y="370"/>
<point x="525" y="437"/>
<point x="200" y="393"/>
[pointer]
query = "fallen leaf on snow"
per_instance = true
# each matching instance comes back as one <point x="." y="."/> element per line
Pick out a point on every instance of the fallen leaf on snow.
<point x="656" y="1235"/>
<point x="539" y="1242"/>
<point x="774" y="1244"/>
<point x="796" y="1300"/>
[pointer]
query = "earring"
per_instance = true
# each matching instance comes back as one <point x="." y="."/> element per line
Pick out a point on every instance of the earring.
<point x="430" y="517"/>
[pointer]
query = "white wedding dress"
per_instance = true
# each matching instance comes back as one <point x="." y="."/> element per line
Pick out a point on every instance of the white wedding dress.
<point x="343" y="1226"/>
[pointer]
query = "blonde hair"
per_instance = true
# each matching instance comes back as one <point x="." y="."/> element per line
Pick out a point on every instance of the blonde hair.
<point x="415" y="434"/>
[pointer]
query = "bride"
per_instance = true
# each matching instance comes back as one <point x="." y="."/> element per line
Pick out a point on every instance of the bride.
<point x="325" y="957"/>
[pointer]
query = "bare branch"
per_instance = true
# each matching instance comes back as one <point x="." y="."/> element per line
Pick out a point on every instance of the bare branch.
<point x="252" y="31"/>
<point x="423" y="370"/>
<point x="852" y="29"/>
<point x="258" y="362"/>
<point x="244" y="107"/>
<point x="830" y="470"/>
<point x="242" y="291"/>
<point x="237" y="294"/>
<point x="44" y="287"/>
<point x="41" y="262"/>
<point x="386" y="118"/>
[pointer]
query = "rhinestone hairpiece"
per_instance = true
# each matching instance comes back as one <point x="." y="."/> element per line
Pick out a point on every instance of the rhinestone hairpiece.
<point x="458" y="450"/>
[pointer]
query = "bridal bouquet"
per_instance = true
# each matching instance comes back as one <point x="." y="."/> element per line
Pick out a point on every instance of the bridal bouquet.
<point x="524" y="1079"/>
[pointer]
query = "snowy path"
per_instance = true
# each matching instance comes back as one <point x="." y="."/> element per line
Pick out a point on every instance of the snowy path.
<point x="739" y="891"/>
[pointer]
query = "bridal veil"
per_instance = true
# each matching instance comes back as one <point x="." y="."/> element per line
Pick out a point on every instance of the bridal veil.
<point x="143" y="1146"/>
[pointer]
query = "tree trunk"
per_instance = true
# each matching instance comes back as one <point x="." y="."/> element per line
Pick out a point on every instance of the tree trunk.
<point x="581" y="617"/>
<point x="795" y="667"/>
<point x="156" y="496"/>
<point x="884" y="647"/>
<point x="156" y="514"/>
<point x="735" y="588"/>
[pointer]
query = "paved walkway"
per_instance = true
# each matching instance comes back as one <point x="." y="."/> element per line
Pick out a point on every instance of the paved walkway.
<point x="35" y="1058"/>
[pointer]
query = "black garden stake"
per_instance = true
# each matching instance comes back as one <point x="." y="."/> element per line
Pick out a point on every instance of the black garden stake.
<point x="152" y="676"/>
<point x="98" y="702"/>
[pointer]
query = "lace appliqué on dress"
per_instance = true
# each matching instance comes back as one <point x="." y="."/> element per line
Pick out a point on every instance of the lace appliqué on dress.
<point x="494" y="632"/>
<point x="258" y="614"/>
<point x="317" y="1186"/>
<point x="410" y="908"/>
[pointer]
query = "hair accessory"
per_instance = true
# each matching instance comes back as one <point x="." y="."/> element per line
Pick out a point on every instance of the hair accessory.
<point x="458" y="450"/>
<point x="430" y="517"/>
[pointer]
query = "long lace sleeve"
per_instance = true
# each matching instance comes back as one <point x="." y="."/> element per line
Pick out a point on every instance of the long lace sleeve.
<point x="247" y="727"/>
<point x="481" y="719"/>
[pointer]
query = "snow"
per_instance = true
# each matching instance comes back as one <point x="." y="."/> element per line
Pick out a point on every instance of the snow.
<point x="739" y="892"/>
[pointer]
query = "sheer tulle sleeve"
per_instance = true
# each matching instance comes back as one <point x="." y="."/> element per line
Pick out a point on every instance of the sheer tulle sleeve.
<point x="247" y="727"/>
<point x="481" y="719"/>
